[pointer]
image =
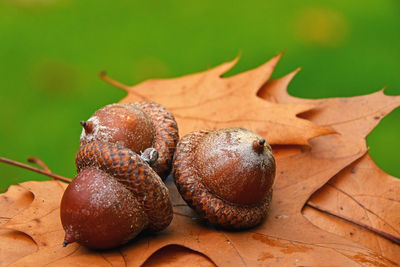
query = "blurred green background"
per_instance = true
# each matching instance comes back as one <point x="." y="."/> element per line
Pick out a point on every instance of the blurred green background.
<point x="51" y="52"/>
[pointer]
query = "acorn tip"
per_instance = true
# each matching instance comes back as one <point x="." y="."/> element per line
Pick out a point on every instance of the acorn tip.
<point x="88" y="126"/>
<point x="258" y="145"/>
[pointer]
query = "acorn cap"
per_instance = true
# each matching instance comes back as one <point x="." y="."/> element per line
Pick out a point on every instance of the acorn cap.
<point x="226" y="176"/>
<point x="166" y="135"/>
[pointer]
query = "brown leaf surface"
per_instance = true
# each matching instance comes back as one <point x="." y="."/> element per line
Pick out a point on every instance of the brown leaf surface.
<point x="206" y="100"/>
<point x="362" y="192"/>
<point x="370" y="198"/>
<point x="13" y="202"/>
<point x="174" y="255"/>
<point x="14" y="244"/>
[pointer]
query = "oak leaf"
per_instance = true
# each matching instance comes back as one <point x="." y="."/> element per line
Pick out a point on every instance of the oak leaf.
<point x="314" y="140"/>
<point x="206" y="100"/>
<point x="14" y="244"/>
<point x="363" y="201"/>
<point x="366" y="198"/>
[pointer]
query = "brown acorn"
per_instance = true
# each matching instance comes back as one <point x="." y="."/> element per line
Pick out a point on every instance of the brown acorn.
<point x="115" y="196"/>
<point x="136" y="126"/>
<point x="226" y="176"/>
<point x="100" y="213"/>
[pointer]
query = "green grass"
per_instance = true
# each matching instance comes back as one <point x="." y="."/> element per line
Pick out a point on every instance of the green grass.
<point x="52" y="51"/>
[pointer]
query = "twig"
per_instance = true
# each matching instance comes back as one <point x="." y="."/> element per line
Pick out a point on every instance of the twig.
<point x="383" y="234"/>
<point x="44" y="172"/>
<point x="40" y="163"/>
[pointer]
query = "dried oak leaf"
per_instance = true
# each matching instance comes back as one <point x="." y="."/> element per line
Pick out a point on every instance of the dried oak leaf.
<point x="366" y="198"/>
<point x="174" y="255"/>
<point x="207" y="101"/>
<point x="359" y="202"/>
<point x="286" y="238"/>
<point x="14" y="244"/>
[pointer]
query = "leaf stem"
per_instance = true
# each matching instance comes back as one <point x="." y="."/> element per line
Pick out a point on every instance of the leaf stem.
<point x="44" y="172"/>
<point x="104" y="77"/>
<point x="383" y="234"/>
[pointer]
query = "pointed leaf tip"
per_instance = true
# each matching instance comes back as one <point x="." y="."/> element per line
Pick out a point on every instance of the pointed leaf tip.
<point x="277" y="88"/>
<point x="223" y="68"/>
<point x="276" y="58"/>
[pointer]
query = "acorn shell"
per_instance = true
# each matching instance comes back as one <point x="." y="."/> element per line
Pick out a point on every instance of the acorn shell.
<point x="236" y="165"/>
<point x="98" y="212"/>
<point x="135" y="174"/>
<point x="122" y="124"/>
<point x="203" y="198"/>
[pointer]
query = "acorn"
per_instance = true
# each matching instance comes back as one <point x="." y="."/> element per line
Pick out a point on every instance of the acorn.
<point x="226" y="176"/>
<point x="115" y="196"/>
<point x="136" y="126"/>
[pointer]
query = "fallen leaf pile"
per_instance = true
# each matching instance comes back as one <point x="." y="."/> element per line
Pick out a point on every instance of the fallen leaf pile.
<point x="331" y="205"/>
